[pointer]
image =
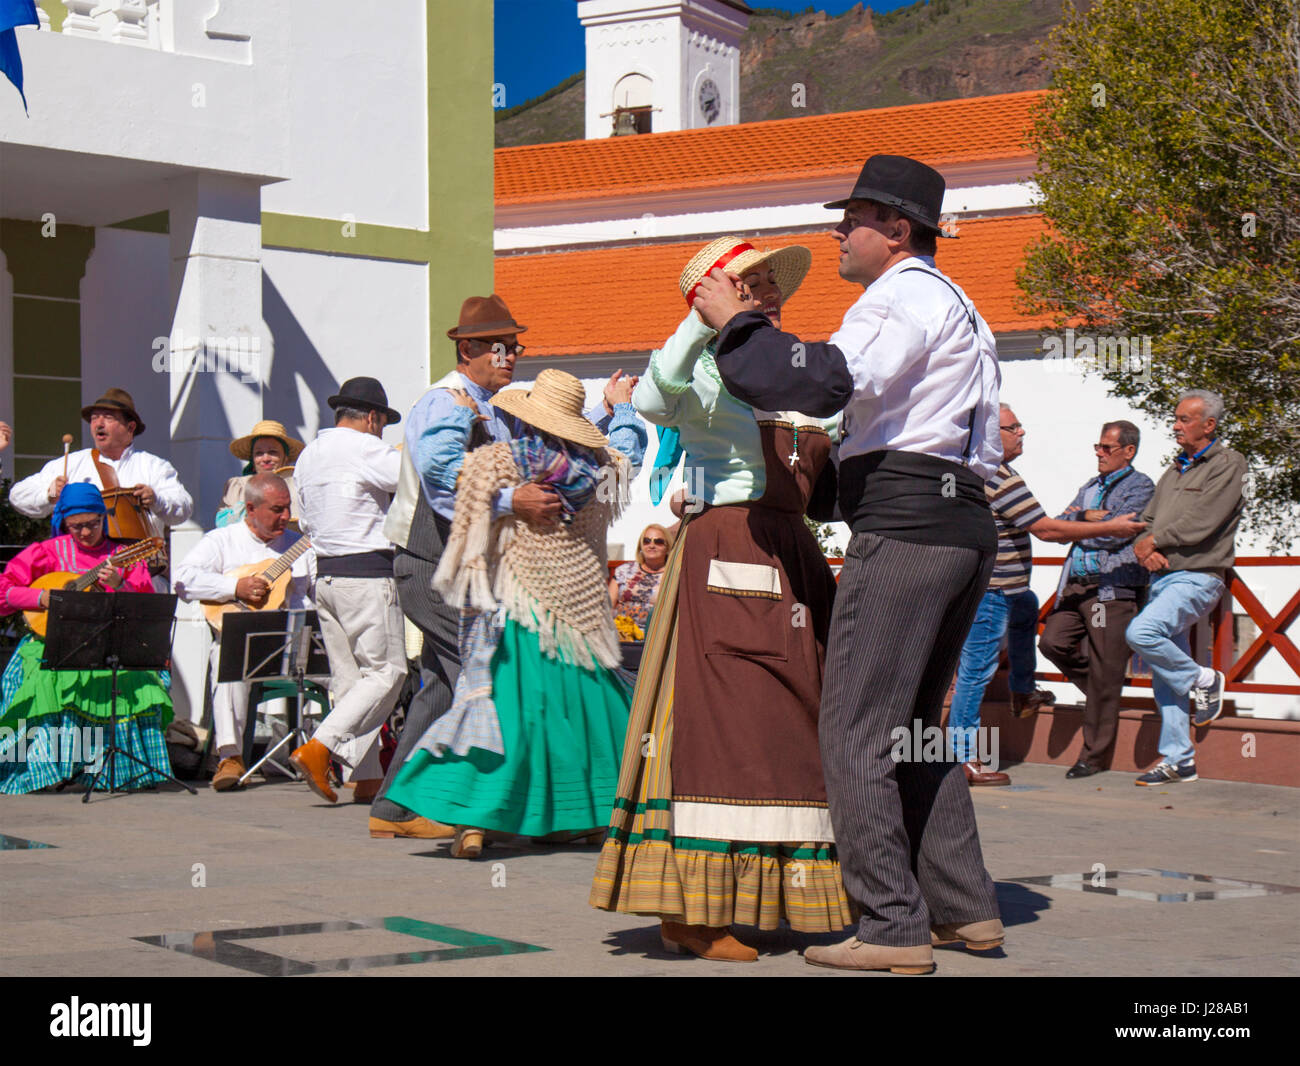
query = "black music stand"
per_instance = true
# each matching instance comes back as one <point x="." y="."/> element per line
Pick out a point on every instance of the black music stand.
<point x="273" y="646"/>
<point x="131" y="631"/>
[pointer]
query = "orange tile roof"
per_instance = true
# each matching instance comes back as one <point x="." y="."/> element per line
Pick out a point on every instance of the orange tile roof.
<point x="945" y="133"/>
<point x="582" y="302"/>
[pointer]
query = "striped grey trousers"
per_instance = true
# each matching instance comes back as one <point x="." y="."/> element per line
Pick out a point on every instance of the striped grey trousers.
<point x="905" y="831"/>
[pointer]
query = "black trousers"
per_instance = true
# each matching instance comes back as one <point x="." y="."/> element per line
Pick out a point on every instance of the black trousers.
<point x="439" y="667"/>
<point x="904" y="828"/>
<point x="1084" y="637"/>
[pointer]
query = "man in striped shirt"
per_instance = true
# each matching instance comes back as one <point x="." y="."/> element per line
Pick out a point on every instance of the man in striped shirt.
<point x="1009" y="608"/>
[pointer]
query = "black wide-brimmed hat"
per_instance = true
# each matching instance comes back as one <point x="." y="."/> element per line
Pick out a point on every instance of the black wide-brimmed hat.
<point x="366" y="393"/>
<point x="907" y="185"/>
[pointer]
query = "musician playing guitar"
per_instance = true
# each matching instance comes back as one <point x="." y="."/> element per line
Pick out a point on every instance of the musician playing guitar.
<point x="53" y="704"/>
<point x="114" y="425"/>
<point x="206" y="574"/>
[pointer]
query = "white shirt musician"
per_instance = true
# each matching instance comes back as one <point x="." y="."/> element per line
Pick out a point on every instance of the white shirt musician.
<point x="205" y="574"/>
<point x="114" y="425"/>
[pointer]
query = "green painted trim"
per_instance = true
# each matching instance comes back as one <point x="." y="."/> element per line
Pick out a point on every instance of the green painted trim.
<point x="57" y="13"/>
<point x="305" y="234"/>
<point x="158" y="222"/>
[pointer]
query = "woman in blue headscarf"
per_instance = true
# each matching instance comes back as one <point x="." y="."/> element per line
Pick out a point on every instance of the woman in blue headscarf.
<point x="54" y="724"/>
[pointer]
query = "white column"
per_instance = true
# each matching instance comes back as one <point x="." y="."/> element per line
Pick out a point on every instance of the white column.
<point x="217" y="369"/>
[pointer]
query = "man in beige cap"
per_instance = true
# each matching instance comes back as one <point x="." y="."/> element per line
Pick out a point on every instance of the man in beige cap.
<point x="114" y="425"/>
<point x="419" y="521"/>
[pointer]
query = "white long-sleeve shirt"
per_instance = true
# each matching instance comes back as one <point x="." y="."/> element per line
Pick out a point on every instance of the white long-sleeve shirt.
<point x="201" y="575"/>
<point x="172" y="505"/>
<point x="346" y="480"/>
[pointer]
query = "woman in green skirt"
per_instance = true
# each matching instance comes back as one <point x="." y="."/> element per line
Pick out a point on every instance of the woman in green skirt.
<point x="533" y="740"/>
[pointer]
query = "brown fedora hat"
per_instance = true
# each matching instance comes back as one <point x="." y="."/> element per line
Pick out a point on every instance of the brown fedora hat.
<point x="115" y="400"/>
<point x="484" y="316"/>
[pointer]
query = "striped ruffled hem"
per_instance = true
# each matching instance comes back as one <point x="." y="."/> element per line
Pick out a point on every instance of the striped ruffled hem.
<point x="718" y="882"/>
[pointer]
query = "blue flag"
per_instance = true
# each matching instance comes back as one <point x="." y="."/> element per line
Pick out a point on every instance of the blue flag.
<point x="14" y="13"/>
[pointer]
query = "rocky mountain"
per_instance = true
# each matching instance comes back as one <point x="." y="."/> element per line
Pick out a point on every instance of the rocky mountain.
<point x="813" y="64"/>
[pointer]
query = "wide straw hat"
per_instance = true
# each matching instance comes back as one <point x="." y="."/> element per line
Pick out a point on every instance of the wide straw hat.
<point x="554" y="405"/>
<point x="242" y="447"/>
<point x="739" y="257"/>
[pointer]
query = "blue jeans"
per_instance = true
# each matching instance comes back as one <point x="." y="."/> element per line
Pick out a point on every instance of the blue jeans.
<point x="1013" y="617"/>
<point x="1159" y="634"/>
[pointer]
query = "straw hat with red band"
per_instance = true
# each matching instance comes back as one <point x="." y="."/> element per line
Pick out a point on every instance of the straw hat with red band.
<point x="554" y="405"/>
<point x="739" y="257"/>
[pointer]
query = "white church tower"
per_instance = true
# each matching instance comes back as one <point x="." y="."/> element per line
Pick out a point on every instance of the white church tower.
<point x="658" y="65"/>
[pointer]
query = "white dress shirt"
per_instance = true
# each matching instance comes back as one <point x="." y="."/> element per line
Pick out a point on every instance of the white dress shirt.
<point x="172" y="505"/>
<point x="346" y="480"/>
<point x="201" y="574"/>
<point x="918" y="370"/>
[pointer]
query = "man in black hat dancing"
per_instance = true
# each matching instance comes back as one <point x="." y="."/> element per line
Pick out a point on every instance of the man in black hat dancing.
<point x="346" y="478"/>
<point x="915" y="371"/>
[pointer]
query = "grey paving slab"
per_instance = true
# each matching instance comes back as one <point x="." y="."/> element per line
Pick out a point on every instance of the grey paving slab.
<point x="147" y="865"/>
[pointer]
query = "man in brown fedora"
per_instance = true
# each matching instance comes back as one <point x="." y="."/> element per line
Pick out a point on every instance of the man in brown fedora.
<point x="114" y="425"/>
<point x="487" y="345"/>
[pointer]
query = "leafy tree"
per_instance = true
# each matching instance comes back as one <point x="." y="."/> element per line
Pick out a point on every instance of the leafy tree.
<point x="1169" y="161"/>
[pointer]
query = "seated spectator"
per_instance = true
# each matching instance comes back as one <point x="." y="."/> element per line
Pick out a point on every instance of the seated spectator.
<point x="1193" y="519"/>
<point x="635" y="584"/>
<point x="1098" y="595"/>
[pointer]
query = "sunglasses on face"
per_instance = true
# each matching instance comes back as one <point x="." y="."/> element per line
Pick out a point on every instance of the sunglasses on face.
<point x="655" y="540"/>
<point x="1015" y="427"/>
<point x="1106" y="449"/>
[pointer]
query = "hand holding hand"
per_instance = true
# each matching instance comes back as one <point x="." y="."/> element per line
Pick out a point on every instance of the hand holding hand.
<point x="720" y="298"/>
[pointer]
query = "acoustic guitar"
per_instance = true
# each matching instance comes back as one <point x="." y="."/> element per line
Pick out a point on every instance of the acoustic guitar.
<point x="68" y="582"/>
<point x="274" y="571"/>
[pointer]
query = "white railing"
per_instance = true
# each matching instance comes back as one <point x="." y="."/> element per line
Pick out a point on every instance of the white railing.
<point x="187" y="27"/>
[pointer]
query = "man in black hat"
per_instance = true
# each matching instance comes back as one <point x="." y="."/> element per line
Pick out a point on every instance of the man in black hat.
<point x="114" y="425"/>
<point x="346" y="478"/>
<point x="915" y="371"/>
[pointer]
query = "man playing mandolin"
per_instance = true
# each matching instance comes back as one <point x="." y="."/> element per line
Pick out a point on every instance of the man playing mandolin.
<point x="229" y="566"/>
<point x="152" y="482"/>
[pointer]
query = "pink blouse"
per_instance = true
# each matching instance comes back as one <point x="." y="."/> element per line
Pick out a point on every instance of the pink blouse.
<point x="58" y="554"/>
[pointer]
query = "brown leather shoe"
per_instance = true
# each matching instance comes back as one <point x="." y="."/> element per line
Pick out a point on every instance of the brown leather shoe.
<point x="416" y="829"/>
<point x="229" y="771"/>
<point x="312" y="760"/>
<point x="979" y="774"/>
<point x="366" y="791"/>
<point x="468" y="843"/>
<point x="853" y="954"/>
<point x="977" y="936"/>
<point x="1026" y="704"/>
<point x="704" y="941"/>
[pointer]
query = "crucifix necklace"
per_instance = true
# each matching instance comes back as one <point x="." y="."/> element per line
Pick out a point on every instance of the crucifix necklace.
<point x="794" y="455"/>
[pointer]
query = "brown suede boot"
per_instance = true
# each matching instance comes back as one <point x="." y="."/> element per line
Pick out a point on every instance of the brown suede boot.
<point x="704" y="941"/>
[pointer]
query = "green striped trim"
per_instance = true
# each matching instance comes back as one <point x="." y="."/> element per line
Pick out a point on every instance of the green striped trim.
<point x="622" y="803"/>
<point x="723" y="847"/>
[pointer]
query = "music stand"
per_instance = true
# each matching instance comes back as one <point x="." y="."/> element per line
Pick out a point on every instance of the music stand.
<point x="131" y="631"/>
<point x="273" y="646"/>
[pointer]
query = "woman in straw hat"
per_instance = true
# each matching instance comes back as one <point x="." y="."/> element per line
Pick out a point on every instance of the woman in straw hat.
<point x="267" y="449"/>
<point x="721" y="816"/>
<point x="532" y="742"/>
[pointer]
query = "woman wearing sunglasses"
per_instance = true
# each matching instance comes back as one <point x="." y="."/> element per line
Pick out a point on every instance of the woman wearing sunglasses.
<point x="635" y="585"/>
<point x="721" y="812"/>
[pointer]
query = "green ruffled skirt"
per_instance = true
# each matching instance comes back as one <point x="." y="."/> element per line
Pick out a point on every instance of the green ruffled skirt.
<point x="563" y="729"/>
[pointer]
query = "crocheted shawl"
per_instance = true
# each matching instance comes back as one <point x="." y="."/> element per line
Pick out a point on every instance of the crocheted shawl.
<point x="553" y="581"/>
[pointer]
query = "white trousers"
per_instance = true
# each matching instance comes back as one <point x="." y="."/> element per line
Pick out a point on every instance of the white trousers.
<point x="229" y="710"/>
<point x="365" y="637"/>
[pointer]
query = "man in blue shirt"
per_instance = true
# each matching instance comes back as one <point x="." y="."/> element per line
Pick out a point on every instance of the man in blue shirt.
<point x="1098" y="595"/>
<point x="419" y="521"/>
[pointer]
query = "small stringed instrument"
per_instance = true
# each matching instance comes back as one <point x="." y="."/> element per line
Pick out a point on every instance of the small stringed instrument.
<point x="68" y="582"/>
<point x="274" y="571"/>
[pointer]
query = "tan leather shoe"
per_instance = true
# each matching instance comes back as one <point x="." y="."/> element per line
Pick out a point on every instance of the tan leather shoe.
<point x="468" y="843"/>
<point x="977" y="936"/>
<point x="312" y="760"/>
<point x="704" y="941"/>
<point x="366" y="791"/>
<point x="416" y="829"/>
<point x="979" y="774"/>
<point x="229" y="771"/>
<point x="853" y="954"/>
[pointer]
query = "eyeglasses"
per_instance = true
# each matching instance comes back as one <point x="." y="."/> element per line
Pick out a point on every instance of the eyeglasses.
<point x="1106" y="449"/>
<point x="655" y="540"/>
<point x="84" y="527"/>
<point x="504" y="348"/>
<point x="1015" y="427"/>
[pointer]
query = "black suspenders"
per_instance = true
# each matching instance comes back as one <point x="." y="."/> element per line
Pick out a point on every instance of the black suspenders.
<point x="970" y="317"/>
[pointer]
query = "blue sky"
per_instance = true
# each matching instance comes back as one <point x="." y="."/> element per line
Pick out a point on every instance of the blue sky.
<point x="539" y="42"/>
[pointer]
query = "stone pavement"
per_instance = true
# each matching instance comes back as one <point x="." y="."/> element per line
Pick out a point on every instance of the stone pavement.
<point x="305" y="885"/>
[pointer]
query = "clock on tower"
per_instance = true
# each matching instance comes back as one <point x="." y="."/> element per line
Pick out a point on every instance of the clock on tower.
<point x="709" y="100"/>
